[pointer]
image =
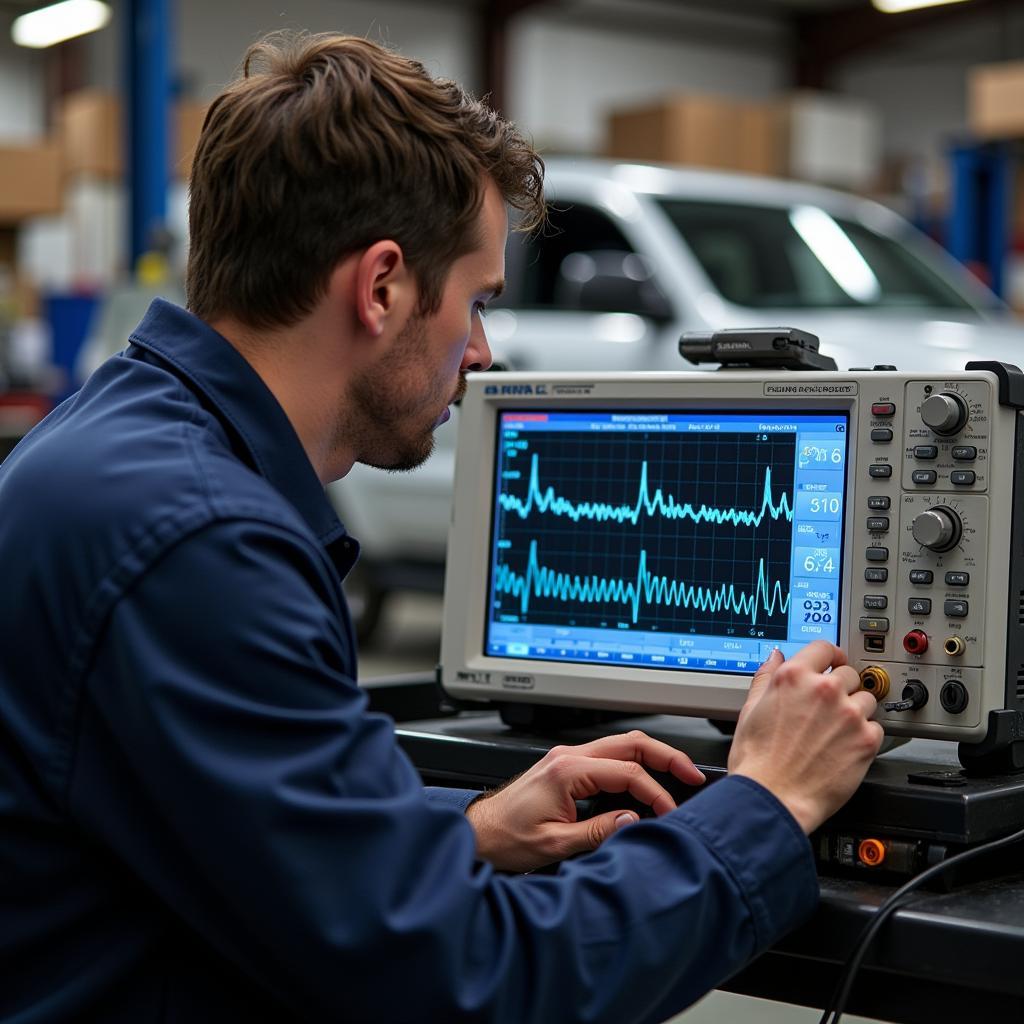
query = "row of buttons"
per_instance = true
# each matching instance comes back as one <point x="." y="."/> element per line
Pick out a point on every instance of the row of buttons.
<point x="919" y="576"/>
<point x="957" y="477"/>
<point x="917" y="606"/>
<point x="877" y="624"/>
<point x="960" y="452"/>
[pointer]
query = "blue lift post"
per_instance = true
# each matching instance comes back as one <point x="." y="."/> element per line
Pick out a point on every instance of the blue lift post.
<point x="979" y="221"/>
<point x="147" y="104"/>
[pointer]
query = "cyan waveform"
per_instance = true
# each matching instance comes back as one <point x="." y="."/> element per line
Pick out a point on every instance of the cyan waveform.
<point x="646" y="588"/>
<point x="547" y="501"/>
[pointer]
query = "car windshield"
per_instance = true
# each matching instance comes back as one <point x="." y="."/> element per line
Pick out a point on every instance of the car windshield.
<point x="803" y="257"/>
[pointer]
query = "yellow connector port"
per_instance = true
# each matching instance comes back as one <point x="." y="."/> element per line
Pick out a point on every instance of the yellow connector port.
<point x="954" y="646"/>
<point x="876" y="681"/>
<point x="871" y="852"/>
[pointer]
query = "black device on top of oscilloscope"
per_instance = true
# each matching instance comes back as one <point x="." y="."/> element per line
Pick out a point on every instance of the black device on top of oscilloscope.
<point x="640" y="542"/>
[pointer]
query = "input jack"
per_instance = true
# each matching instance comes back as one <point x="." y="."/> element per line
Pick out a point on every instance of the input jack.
<point x="875" y="680"/>
<point x="954" y="646"/>
<point x="916" y="642"/>
<point x="871" y="852"/>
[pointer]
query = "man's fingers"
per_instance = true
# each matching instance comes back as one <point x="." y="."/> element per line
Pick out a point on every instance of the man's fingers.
<point x="639" y="747"/>
<point x="818" y="655"/>
<point x="764" y="673"/>
<point x="588" y="776"/>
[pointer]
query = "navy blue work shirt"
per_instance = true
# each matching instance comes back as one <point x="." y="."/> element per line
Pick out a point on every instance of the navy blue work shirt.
<point x="199" y="819"/>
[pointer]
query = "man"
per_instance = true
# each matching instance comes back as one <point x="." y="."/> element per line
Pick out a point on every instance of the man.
<point x="199" y="821"/>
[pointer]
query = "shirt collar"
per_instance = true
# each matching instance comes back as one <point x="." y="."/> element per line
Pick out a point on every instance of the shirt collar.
<point x="211" y="364"/>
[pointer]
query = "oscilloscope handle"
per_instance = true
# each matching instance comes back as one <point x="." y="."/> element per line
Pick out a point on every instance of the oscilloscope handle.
<point x="771" y="348"/>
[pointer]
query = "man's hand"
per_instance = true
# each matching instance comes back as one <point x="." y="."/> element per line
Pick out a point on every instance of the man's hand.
<point x="804" y="732"/>
<point x="532" y="820"/>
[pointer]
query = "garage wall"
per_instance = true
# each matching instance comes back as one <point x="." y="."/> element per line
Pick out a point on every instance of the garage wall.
<point x="22" y="90"/>
<point x="565" y="76"/>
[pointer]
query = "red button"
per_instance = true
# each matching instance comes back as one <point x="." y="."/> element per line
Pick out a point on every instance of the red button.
<point x="883" y="409"/>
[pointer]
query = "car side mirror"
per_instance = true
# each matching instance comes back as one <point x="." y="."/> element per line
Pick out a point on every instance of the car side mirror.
<point x="611" y="281"/>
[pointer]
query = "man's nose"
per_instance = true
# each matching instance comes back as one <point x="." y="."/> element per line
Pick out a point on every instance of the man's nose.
<point x="478" y="353"/>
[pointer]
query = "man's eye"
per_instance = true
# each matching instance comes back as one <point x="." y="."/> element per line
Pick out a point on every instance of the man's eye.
<point x="480" y="308"/>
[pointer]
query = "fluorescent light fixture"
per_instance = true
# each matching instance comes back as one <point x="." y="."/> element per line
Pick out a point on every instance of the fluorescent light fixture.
<point x="838" y="255"/>
<point x="899" y="6"/>
<point x="54" y="24"/>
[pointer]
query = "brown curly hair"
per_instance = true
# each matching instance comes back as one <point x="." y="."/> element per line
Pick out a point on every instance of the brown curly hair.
<point x="324" y="145"/>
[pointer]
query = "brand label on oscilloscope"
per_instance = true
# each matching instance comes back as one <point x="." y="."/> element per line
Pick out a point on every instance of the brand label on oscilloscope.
<point x="842" y="388"/>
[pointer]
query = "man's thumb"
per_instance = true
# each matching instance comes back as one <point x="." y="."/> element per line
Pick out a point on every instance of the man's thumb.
<point x="603" y="826"/>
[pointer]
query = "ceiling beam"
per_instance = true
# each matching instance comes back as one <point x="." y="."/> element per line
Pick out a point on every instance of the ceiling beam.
<point x="824" y="40"/>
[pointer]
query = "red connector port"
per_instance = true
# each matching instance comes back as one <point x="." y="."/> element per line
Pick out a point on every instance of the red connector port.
<point x="916" y="642"/>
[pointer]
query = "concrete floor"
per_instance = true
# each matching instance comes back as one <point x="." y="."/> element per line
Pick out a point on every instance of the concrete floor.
<point x="408" y="641"/>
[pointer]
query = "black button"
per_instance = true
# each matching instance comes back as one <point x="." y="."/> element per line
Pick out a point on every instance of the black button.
<point x="874" y="575"/>
<point x="955" y="609"/>
<point x="876" y="602"/>
<point x="881" y="434"/>
<point x="883" y="409"/>
<point x="883" y="367"/>
<point x="879" y="502"/>
<point x="877" y="554"/>
<point x="964" y="452"/>
<point x="923" y="476"/>
<point x="878" y="522"/>
<point x="880" y="471"/>
<point x="926" y="451"/>
<point x="957" y="579"/>
<point x="962" y="477"/>
<point x="921" y="576"/>
<point x="919" y="606"/>
<point x="870" y="624"/>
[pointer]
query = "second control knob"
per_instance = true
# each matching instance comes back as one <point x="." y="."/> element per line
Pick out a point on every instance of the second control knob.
<point x="945" y="413"/>
<point x="938" y="529"/>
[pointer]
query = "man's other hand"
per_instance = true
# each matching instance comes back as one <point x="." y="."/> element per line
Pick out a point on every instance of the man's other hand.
<point x="532" y="821"/>
<point x="805" y="732"/>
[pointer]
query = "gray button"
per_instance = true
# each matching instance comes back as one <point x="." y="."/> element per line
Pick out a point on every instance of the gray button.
<point x="879" y="502"/>
<point x="957" y="579"/>
<point x="880" y="471"/>
<point x="921" y="576"/>
<point x="964" y="452"/>
<point x="962" y="477"/>
<point x="875" y="575"/>
<point x="876" y="602"/>
<point x="926" y="451"/>
<point x="881" y="434"/>
<point x="878" y="523"/>
<point x="919" y="606"/>
<point x="923" y="476"/>
<point x="870" y="624"/>
<point x="877" y="554"/>
<point x="955" y="609"/>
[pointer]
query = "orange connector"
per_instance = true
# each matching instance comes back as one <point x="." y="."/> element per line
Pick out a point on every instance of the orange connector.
<point x="871" y="852"/>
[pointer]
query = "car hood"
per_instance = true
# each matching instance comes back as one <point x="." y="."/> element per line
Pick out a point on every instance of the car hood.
<point x="909" y="342"/>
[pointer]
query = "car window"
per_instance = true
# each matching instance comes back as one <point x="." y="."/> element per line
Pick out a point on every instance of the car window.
<point x="803" y="257"/>
<point x="536" y="264"/>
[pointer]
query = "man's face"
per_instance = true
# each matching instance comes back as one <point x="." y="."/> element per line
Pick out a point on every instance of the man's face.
<point x="398" y="402"/>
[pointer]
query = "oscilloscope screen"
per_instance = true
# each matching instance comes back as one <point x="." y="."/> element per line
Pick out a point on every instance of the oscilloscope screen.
<point x="692" y="541"/>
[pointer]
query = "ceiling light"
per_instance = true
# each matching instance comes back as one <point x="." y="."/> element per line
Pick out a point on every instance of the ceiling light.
<point x="899" y="6"/>
<point x="54" y="24"/>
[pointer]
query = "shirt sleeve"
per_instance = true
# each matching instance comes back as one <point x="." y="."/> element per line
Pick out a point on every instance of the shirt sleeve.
<point x="442" y="796"/>
<point x="226" y="757"/>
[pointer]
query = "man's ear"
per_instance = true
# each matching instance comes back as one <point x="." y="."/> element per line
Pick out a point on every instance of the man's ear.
<point x="384" y="288"/>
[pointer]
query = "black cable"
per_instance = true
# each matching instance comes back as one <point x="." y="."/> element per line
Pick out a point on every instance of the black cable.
<point x="834" y="1011"/>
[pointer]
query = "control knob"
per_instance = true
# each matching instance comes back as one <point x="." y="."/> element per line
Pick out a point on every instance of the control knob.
<point x="938" y="529"/>
<point x="945" y="413"/>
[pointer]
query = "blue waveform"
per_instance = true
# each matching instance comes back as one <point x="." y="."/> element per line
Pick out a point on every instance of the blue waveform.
<point x="547" y="501"/>
<point x="646" y="588"/>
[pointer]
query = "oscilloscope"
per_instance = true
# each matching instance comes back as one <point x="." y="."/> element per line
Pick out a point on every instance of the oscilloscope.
<point x="642" y="541"/>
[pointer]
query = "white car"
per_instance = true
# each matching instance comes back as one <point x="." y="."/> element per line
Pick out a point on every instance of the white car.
<point x="637" y="254"/>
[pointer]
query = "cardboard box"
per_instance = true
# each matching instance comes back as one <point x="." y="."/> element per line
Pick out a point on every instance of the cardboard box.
<point x="831" y="140"/>
<point x="30" y="179"/>
<point x="90" y="130"/>
<point x="995" y="100"/>
<point x="699" y="130"/>
<point x="188" y="122"/>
